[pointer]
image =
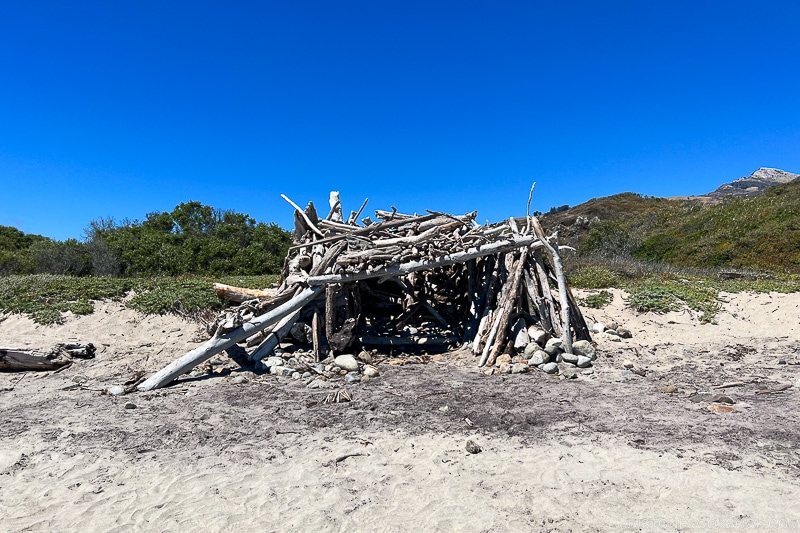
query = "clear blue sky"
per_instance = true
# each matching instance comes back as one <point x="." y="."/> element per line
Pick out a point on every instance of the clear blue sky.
<point x="120" y="108"/>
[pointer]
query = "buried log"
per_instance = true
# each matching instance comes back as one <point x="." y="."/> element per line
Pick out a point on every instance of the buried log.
<point x="217" y="343"/>
<point x="21" y="361"/>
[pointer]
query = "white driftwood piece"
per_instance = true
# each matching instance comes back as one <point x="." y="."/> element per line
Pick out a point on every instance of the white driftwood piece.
<point x="217" y="343"/>
<point x="274" y="337"/>
<point x="562" y="286"/>
<point x="416" y="266"/>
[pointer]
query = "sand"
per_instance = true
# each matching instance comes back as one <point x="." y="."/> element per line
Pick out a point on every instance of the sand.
<point x="606" y="452"/>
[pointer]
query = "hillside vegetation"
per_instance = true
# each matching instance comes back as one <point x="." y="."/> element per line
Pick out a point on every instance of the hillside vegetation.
<point x="760" y="233"/>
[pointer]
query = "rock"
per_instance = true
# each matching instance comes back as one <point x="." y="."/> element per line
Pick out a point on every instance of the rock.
<point x="584" y="348"/>
<point x="505" y="368"/>
<point x="583" y="361"/>
<point x="567" y="372"/>
<point x="371" y="372"/>
<point x="297" y="375"/>
<point x="318" y="384"/>
<point x="598" y="327"/>
<point x="553" y="346"/>
<point x="80" y="378"/>
<point x="238" y="380"/>
<point x="569" y="358"/>
<point x="549" y="368"/>
<point x="307" y="375"/>
<point x="588" y="372"/>
<point x="625" y="333"/>
<point x="721" y="398"/>
<point x="130" y="405"/>
<point x="520" y="334"/>
<point x="670" y="389"/>
<point x="539" y="357"/>
<point x="781" y="361"/>
<point x="614" y="338"/>
<point x="346" y="362"/>
<point x="530" y="349"/>
<point x="281" y="371"/>
<point x="505" y="358"/>
<point x="612" y="325"/>
<point x="365" y="357"/>
<point x="352" y="377"/>
<point x="538" y="335"/>
<point x="519" y="368"/>
<point x="611" y="333"/>
<point x="319" y="367"/>
<point x="364" y="379"/>
<point x="473" y="448"/>
<point x="115" y="390"/>
<point x="701" y="397"/>
<point x="269" y="362"/>
<point x="627" y="363"/>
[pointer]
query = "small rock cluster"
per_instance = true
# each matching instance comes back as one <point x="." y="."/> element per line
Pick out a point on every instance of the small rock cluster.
<point x="611" y="331"/>
<point x="535" y="348"/>
<point x="320" y="375"/>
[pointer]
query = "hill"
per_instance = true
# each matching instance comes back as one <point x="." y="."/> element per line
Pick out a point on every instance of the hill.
<point x="760" y="229"/>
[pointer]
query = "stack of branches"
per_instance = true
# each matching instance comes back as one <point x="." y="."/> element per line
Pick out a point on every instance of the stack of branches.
<point x="402" y="282"/>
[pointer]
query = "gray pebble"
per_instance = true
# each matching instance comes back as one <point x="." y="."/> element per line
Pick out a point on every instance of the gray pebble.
<point x="584" y="361"/>
<point x="569" y="358"/>
<point x="538" y="357"/>
<point x="115" y="390"/>
<point x="130" y="405"/>
<point x="549" y="368"/>
<point x="519" y="368"/>
<point x="352" y="377"/>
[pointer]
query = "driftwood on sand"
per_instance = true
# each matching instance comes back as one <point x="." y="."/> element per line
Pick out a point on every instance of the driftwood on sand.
<point x="402" y="282"/>
<point x="21" y="360"/>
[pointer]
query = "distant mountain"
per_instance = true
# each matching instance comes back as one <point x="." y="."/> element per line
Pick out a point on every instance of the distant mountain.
<point x="753" y="185"/>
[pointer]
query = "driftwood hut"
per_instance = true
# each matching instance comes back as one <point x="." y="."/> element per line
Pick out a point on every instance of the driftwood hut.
<point x="401" y="283"/>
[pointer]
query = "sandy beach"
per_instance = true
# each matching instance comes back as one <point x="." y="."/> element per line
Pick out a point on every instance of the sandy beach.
<point x="616" y="450"/>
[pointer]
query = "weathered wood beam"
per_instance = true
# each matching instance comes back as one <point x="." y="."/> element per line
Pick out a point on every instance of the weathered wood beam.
<point x="239" y="294"/>
<point x="218" y="343"/>
<point x="416" y="266"/>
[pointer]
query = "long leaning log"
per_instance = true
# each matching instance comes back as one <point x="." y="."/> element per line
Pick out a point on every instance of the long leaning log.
<point x="218" y="343"/>
<point x="416" y="266"/>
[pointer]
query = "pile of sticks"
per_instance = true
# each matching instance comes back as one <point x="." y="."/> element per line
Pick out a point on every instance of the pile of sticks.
<point x="402" y="282"/>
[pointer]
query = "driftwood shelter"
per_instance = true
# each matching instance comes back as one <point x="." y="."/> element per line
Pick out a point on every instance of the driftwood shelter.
<point x="398" y="283"/>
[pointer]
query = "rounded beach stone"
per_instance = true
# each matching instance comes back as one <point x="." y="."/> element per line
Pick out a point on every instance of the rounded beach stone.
<point x="539" y="357"/>
<point x="346" y="362"/>
<point x="583" y="348"/>
<point x="549" y="368"/>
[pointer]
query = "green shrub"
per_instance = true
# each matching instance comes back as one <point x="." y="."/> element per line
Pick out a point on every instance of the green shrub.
<point x="594" y="277"/>
<point x="598" y="300"/>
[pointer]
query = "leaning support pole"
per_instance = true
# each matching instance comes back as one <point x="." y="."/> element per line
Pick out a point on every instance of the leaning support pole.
<point x="562" y="285"/>
<point x="217" y="343"/>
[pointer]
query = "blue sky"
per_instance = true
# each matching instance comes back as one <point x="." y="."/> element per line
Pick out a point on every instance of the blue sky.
<point x="124" y="108"/>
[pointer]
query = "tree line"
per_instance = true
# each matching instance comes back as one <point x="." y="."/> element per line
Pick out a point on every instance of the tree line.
<point x="191" y="239"/>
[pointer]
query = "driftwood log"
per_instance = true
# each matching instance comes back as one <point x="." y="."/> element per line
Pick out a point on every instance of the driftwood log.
<point x="239" y="294"/>
<point x="21" y="361"/>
